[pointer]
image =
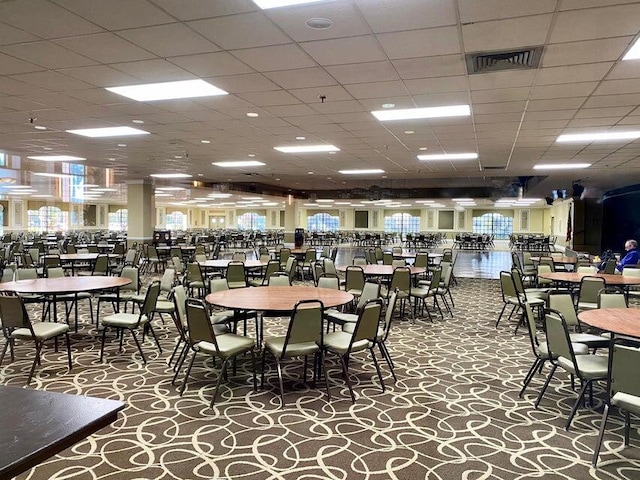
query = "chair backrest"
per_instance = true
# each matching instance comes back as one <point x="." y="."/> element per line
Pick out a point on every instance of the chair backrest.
<point x="218" y="285"/>
<point x="200" y="257"/>
<point x="379" y="254"/>
<point x="548" y="261"/>
<point x="34" y="253"/>
<point x="422" y="260"/>
<point x="8" y="273"/>
<point x="447" y="271"/>
<point x="558" y="339"/>
<point x="329" y="281"/>
<point x="517" y="282"/>
<point x="198" y="324"/>
<point x="563" y="303"/>
<point x="370" y="291"/>
<point x="507" y="286"/>
<point x="354" y="278"/>
<point x="436" y="276"/>
<point x="278" y="279"/>
<point x="54" y="272"/>
<point x="236" y="276"/>
<point x="180" y="300"/>
<point x="272" y="267"/>
<point x="515" y="260"/>
<point x="359" y="260"/>
<point x="610" y="266"/>
<point x="265" y="257"/>
<point x="13" y="314"/>
<point x="326" y="251"/>
<point x="133" y="274"/>
<point x="610" y="298"/>
<point x="239" y="257"/>
<point x="150" y="298"/>
<point x="292" y="265"/>
<point x="589" y="288"/>
<point x="51" y="261"/>
<point x="178" y="266"/>
<point x="285" y="253"/>
<point x="447" y="255"/>
<point x="631" y="272"/>
<point x="309" y="255"/>
<point x="168" y="280"/>
<point x="398" y="263"/>
<point x="623" y="369"/>
<point x="130" y="258"/>
<point x="71" y="248"/>
<point x="585" y="269"/>
<point x="26" y="274"/>
<point x="366" y="327"/>
<point x="401" y="279"/>
<point x="388" y="314"/>
<point x="329" y="266"/>
<point x="387" y="258"/>
<point x="531" y="328"/>
<point x="305" y="325"/>
<point x="194" y="272"/>
<point x="101" y="265"/>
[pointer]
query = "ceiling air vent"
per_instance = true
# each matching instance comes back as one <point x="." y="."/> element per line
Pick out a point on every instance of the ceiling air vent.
<point x="492" y="168"/>
<point x="487" y="62"/>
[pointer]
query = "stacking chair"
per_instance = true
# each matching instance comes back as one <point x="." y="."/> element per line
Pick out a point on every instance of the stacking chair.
<point x="540" y="349"/>
<point x="291" y="268"/>
<point x="359" y="260"/>
<point x="272" y="266"/>
<point x="180" y="321"/>
<point x="329" y="266"/>
<point x="422" y="294"/>
<point x="16" y="325"/>
<point x="285" y="253"/>
<point x="203" y="339"/>
<point x="610" y="267"/>
<point x="387" y="258"/>
<point x="304" y="337"/>
<point x="309" y="257"/>
<point x="239" y="257"/>
<point x="587" y="368"/>
<point x="535" y="297"/>
<point x="364" y="337"/>
<point x="444" y="288"/>
<point x="131" y="321"/>
<point x="328" y="281"/>
<point x="612" y="298"/>
<point x="236" y="275"/>
<point x="129" y="261"/>
<point x="623" y="389"/>
<point x="509" y="295"/>
<point x="354" y="280"/>
<point x="633" y="291"/>
<point x="563" y="303"/>
<point x="126" y="294"/>
<point x="100" y="267"/>
<point x="279" y="279"/>
<point x="370" y="291"/>
<point x="588" y="293"/>
<point x="194" y="279"/>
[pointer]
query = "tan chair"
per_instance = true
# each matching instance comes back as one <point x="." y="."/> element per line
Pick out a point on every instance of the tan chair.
<point x="236" y="275"/>
<point x="203" y="339"/>
<point x="16" y="325"/>
<point x="304" y="337"/>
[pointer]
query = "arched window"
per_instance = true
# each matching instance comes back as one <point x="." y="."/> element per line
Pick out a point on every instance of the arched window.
<point x="252" y="221"/>
<point x="323" y="222"/>
<point x="402" y="223"/>
<point x="47" y="219"/>
<point x="176" y="221"/>
<point x="493" y="224"/>
<point x="118" y="220"/>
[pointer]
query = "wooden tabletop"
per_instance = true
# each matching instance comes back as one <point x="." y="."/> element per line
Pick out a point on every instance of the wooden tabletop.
<point x="574" y="277"/>
<point x="381" y="270"/>
<point x="281" y="298"/>
<point x="222" y="264"/>
<point x="40" y="424"/>
<point x="83" y="257"/>
<point x="621" y="321"/>
<point x="64" y="284"/>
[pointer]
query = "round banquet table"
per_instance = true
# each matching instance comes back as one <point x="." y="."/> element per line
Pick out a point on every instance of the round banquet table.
<point x="275" y="299"/>
<point x="574" y="277"/>
<point x="222" y="264"/>
<point x="64" y="285"/>
<point x="381" y="270"/>
<point x="621" y="321"/>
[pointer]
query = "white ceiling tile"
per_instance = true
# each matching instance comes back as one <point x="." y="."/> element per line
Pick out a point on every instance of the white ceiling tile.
<point x="589" y="24"/>
<point x="612" y="101"/>
<point x="20" y="104"/>
<point x="98" y="96"/>
<point x="311" y="95"/>
<point x="506" y="107"/>
<point x="568" y="74"/>
<point x="577" y="4"/>
<point x="440" y="99"/>
<point x="376" y="89"/>
<point x="550" y="115"/>
<point x="58" y="100"/>
<point x="474" y="11"/>
<point x="278" y="57"/>
<point x="563" y="90"/>
<point x="500" y="95"/>
<point x="45" y="19"/>
<point x="363" y="72"/>
<point x="9" y="86"/>
<point x="304" y="77"/>
<point x="593" y="51"/>
<point x="347" y="50"/>
<point x="246" y="30"/>
<point x="626" y="69"/>
<point x="51" y="80"/>
<point x="251" y="82"/>
<point x="169" y="40"/>
<point x="212" y="64"/>
<point x="105" y="48"/>
<point x="154" y="71"/>
<point x="10" y="35"/>
<point x="265" y="99"/>
<point x="603" y="112"/>
<point x="192" y="9"/>
<point x="505" y="79"/>
<point x="427" y="67"/>
<point x="613" y="87"/>
<point x="47" y="54"/>
<point x="556" y="104"/>
<point x="346" y="21"/>
<point x="504" y="34"/>
<point x="437" y="85"/>
<point x="290" y="111"/>
<point x="593" y="122"/>
<point x="385" y="16"/>
<point x="420" y="43"/>
<point x="117" y="14"/>
<point x="338" y="107"/>
<point x="100" y="76"/>
<point x="11" y="65"/>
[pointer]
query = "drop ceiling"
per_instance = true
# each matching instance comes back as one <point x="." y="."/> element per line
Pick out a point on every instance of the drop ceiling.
<point x="58" y="56"/>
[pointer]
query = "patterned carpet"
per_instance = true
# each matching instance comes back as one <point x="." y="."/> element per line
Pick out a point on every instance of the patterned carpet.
<point x="454" y="412"/>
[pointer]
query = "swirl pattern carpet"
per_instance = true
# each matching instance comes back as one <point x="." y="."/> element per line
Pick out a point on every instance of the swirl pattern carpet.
<point x="454" y="412"/>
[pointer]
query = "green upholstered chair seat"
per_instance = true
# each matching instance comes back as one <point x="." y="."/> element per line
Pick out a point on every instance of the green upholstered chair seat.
<point x="339" y="342"/>
<point x="42" y="331"/>
<point x="124" y="320"/>
<point x="591" y="366"/>
<point x="625" y="401"/>
<point x="276" y="345"/>
<point x="229" y="344"/>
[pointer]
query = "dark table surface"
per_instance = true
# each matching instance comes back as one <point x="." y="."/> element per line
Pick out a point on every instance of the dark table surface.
<point x="36" y="425"/>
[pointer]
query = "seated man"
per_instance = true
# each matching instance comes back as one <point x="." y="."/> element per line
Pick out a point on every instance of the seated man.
<point x="632" y="256"/>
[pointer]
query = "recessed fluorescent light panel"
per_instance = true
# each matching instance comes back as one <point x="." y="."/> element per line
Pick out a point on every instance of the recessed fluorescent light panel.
<point x="449" y="156"/>
<point x="57" y="158"/>
<point x="238" y="164"/>
<point x="361" y="172"/>
<point x="560" y="166"/>
<point x="171" y="175"/>
<point x="634" y="52"/>
<point x="308" y="149"/>
<point x="599" y="137"/>
<point x="108" y="132"/>
<point x="168" y="90"/>
<point x="417" y="113"/>
<point x="266" y="4"/>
